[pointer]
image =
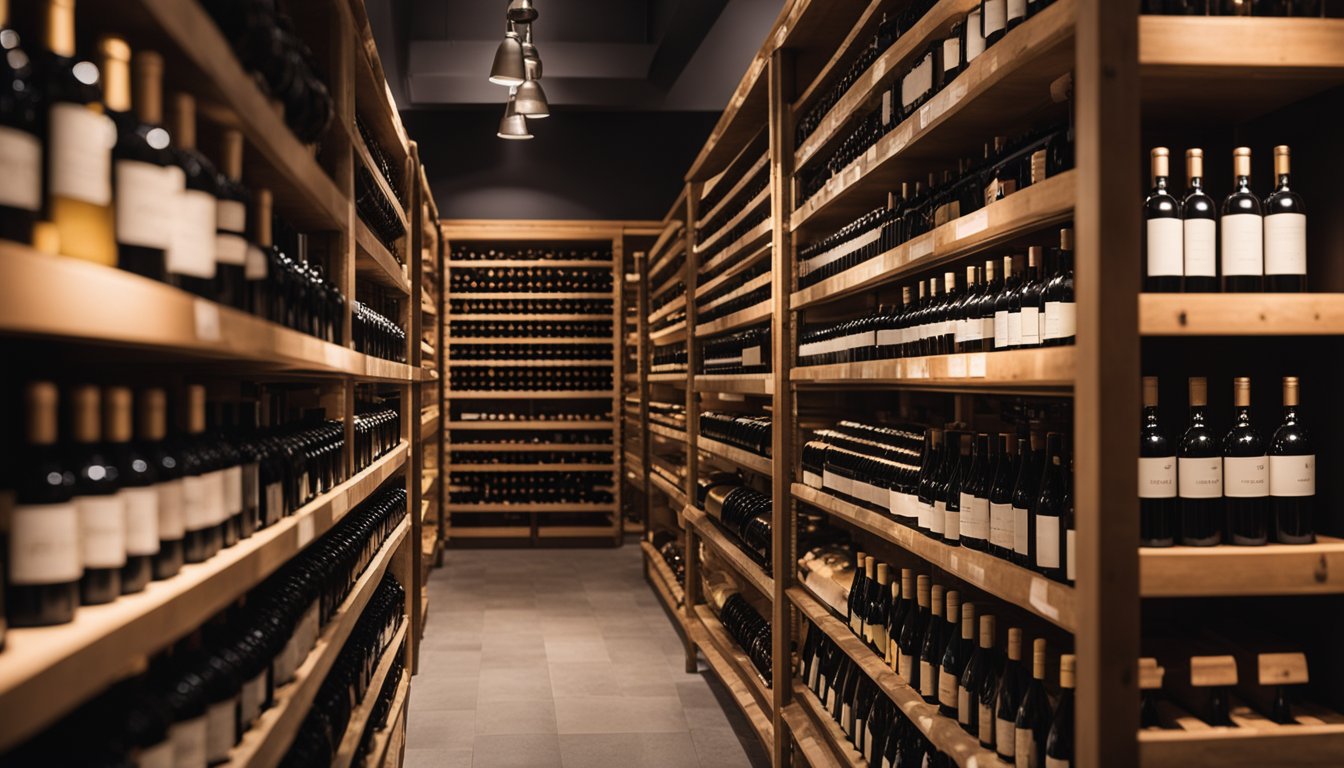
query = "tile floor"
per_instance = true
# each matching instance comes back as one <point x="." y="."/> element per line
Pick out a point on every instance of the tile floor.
<point x="524" y="665"/>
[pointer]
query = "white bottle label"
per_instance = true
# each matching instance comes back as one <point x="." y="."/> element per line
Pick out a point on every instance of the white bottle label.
<point x="963" y="706"/>
<point x="1005" y="733"/>
<point x="1017" y="9"/>
<point x="905" y="667"/>
<point x="938" y="520"/>
<point x="974" y="517"/>
<point x="1292" y="475"/>
<point x="1243" y="244"/>
<point x="214" y="496"/>
<point x="188" y="739"/>
<point x="986" y="720"/>
<point x="1021" y="533"/>
<point x="172" y="517"/>
<point x="1157" y="477"/>
<point x="220" y="730"/>
<point x="275" y="502"/>
<point x="233" y="491"/>
<point x="1061" y="319"/>
<point x="254" y="267"/>
<point x="1055" y="762"/>
<point x="951" y="53"/>
<point x="1201" y="247"/>
<point x="995" y="16"/>
<point x="1031" y="327"/>
<point x="251" y="698"/>
<point x="145" y="215"/>
<point x="44" y="544"/>
<point x="158" y="756"/>
<point x="1001" y="525"/>
<point x="102" y="530"/>
<point x="1200" y="478"/>
<point x="951" y="523"/>
<point x="947" y="689"/>
<point x="1014" y="329"/>
<point x="974" y="330"/>
<point x="193" y="250"/>
<point x="928" y="684"/>
<point x="21" y="168"/>
<point x="1165" y="247"/>
<point x="1069" y="536"/>
<point x="142" y="520"/>
<point x="1024" y="748"/>
<point x="1246" y="477"/>
<point x="975" y="40"/>
<point x="1000" y="325"/>
<point x="1047" y="541"/>
<point x="79" y="153"/>
<point x="1286" y="244"/>
<point x="195" y="506"/>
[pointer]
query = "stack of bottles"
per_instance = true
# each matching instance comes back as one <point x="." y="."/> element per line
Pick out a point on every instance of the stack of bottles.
<point x="594" y="379"/>
<point x="674" y="291"/>
<point x="376" y="335"/>
<point x="532" y="457"/>
<point x="381" y="160"/>
<point x="732" y="297"/>
<point x="526" y="488"/>
<point x="526" y="329"/>
<point x="669" y="359"/>
<point x="744" y="513"/>
<point x="530" y="351"/>
<point x="377" y="211"/>
<point x="598" y="307"/>
<point x="746" y="351"/>
<point x="472" y="251"/>
<point x="526" y="437"/>
<point x="750" y="630"/>
<point x="671" y="550"/>
<point x="750" y="433"/>
<point x="529" y="280"/>
<point x="376" y="432"/>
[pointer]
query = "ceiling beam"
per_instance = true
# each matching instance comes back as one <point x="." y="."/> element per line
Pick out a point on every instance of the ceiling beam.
<point x="691" y="20"/>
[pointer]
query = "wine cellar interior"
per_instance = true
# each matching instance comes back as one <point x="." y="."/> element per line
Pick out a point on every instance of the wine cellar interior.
<point x="780" y="399"/>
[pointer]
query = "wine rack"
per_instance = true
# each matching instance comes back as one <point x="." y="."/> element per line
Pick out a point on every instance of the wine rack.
<point x="115" y="321"/>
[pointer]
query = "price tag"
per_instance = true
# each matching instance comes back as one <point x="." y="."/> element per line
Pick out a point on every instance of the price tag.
<point x="956" y="367"/>
<point x="972" y="223"/>
<point x="1282" y="668"/>
<point x="924" y="115"/>
<point x="977" y="365"/>
<point x="207" y="320"/>
<point x="1039" y="598"/>
<point x="306" y="529"/>
<point x="1207" y="671"/>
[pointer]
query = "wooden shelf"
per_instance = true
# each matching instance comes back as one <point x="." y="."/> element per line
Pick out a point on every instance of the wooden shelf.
<point x="1037" y="206"/>
<point x="518" y="263"/>
<point x="374" y="262"/>
<point x="761" y="198"/>
<point x="46" y="672"/>
<point x="729" y="551"/>
<point x="427" y="306"/>
<point x="364" y="156"/>
<point x="672" y="333"/>
<point x="737" y="268"/>
<point x="71" y="300"/>
<point x="1004" y="86"/>
<point x="737" y="319"/>
<point x="1241" y="314"/>
<point x="1274" y="569"/>
<point x="267" y="741"/>
<point x="657" y="256"/>
<point x="359" y="718"/>
<point x="741" y="692"/>
<point x="469" y="340"/>
<point x="578" y="531"/>
<point x="675" y="435"/>
<point x="740" y="383"/>
<point x="558" y="318"/>
<point x="551" y="296"/>
<point x="634" y="469"/>
<point x="668" y="308"/>
<point x="1042" y="369"/>
<point x="1048" y="599"/>
<point x="676" y="498"/>
<point x="380" y="751"/>
<point x="747" y="175"/>
<point x="739" y="246"/>
<point x="551" y="508"/>
<point x="499" y="363"/>
<point x="528" y="447"/>
<point x="945" y="733"/>
<point x="672" y="593"/>
<point x="429" y="422"/>
<point x="540" y="467"/>
<point x="742" y="118"/>
<point x="1283" y="746"/>
<point x="815" y="751"/>
<point x="838" y="749"/>
<point x="731" y="454"/>
<point x="733" y="653"/>
<point x="489" y="532"/>
<point x="510" y="426"/>
<point x="541" y="394"/>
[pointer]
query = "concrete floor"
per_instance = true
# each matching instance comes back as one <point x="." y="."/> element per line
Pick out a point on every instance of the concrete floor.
<point x="544" y="658"/>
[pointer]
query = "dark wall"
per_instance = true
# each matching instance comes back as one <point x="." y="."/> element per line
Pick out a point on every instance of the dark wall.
<point x="581" y="165"/>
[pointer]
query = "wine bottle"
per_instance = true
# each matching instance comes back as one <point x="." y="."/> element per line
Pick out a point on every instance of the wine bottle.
<point x="79" y="140"/>
<point x="1292" y="473"/>
<point x="1015" y="12"/>
<point x="956" y="656"/>
<point x="1047" y="545"/>
<point x="865" y="598"/>
<point x="1008" y="699"/>
<point x="857" y="589"/>
<point x="1030" y="302"/>
<point x="152" y="428"/>
<point x="1059" y="742"/>
<point x="1164" y="258"/>
<point x="231" y="224"/>
<point x="1245" y="473"/>
<point x="102" y="513"/>
<point x="191" y="257"/>
<point x="879" y="611"/>
<point x="905" y="607"/>
<point x="993" y="20"/>
<point x="912" y="634"/>
<point x="974" y="500"/>
<point x="1032" y="727"/>
<point x="1242" y="234"/>
<point x="980" y="665"/>
<point x="1001" y="498"/>
<point x="202" y="536"/>
<point x="138" y="494"/>
<point x="1003" y="306"/>
<point x="961" y="461"/>
<point x="930" y="648"/>
<point x="20" y="147"/>
<point x="928" y="480"/>
<point x="44" y="562"/>
<point x="946" y="468"/>
<point x="1157" y="476"/>
<point x="1285" y="232"/>
<point x="991" y="670"/>
<point x="1061" y="313"/>
<point x="256" y="266"/>
<point x="1025" y="493"/>
<point x="1199" y="475"/>
<point x="1199" y="228"/>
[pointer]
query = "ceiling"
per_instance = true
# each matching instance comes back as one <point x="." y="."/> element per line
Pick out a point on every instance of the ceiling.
<point x="643" y="55"/>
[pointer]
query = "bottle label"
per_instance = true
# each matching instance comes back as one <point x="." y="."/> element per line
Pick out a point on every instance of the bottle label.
<point x="905" y="667"/>
<point x="214" y="496"/>
<point x="974" y="330"/>
<point x="1069" y="539"/>
<point x="231" y="249"/>
<point x="1047" y="541"/>
<point x="994" y="17"/>
<point x="189" y="738"/>
<point x="918" y="82"/>
<point x="1021" y="534"/>
<point x="1001" y="525"/>
<point x="1017" y="9"/>
<point x="145" y="204"/>
<point x="251" y="486"/>
<point x="254" y="267"/>
<point x="1246" y="477"/>
<point x="928" y="685"/>
<point x="233" y="490"/>
<point x="220" y="730"/>
<point x="974" y="516"/>
<point x="252" y="697"/>
<point x="102" y="530"/>
<point x="142" y="520"/>
<point x="1286" y="244"/>
<point x="195" y="507"/>
<point x="1061" y="319"/>
<point x="1157" y="477"/>
<point x="951" y="53"/>
<point x="1015" y="329"/>
<point x="1243" y="244"/>
<point x="158" y="756"/>
<point x="951" y="523"/>
<point x="275" y="502"/>
<point x="21" y="168"/>
<point x="1200" y="478"/>
<point x="1005" y="735"/>
<point x="1056" y="762"/>
<point x="938" y="520"/>
<point x="1292" y="475"/>
<point x="1001" y="329"/>
<point x="1201" y="247"/>
<point x="975" y="39"/>
<point x="1031" y="326"/>
<point x="1165" y="248"/>
<point x="172" y="517"/>
<point x="986" y="721"/>
<point x="963" y="706"/>
<point x="44" y="544"/>
<point x="193" y="250"/>
<point x="947" y="689"/>
<point x="1024" y="747"/>
<point x="79" y="153"/>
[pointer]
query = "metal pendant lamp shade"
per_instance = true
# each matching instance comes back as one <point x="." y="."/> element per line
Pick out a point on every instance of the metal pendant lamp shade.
<point x="531" y="101"/>
<point x="513" y="126"/>
<point x="531" y="59"/>
<point x="522" y="10"/>
<point x="508" y="68"/>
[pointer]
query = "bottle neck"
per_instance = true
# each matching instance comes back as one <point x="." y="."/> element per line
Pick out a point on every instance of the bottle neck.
<point x="1242" y="415"/>
<point x="1290" y="414"/>
<point x="1197" y="184"/>
<point x="1197" y="416"/>
<point x="1243" y="183"/>
<point x="1160" y="184"/>
<point x="1283" y="178"/>
<point x="1150" y="415"/>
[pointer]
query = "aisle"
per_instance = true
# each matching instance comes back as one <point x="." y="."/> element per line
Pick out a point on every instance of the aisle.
<point x="562" y="658"/>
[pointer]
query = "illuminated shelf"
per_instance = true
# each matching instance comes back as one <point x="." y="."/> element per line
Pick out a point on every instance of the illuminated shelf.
<point x="1241" y="314"/>
<point x="736" y="657"/>
<point x="1273" y="569"/>
<point x="738" y="688"/>
<point x="740" y="383"/>
<point x="742" y="317"/>
<point x="363" y="712"/>
<point x="734" y="456"/>
<point x="520" y="425"/>
<point x="541" y="394"/>
<point x="729" y="551"/>
<point x="373" y="261"/>
<point x="1041" y="369"/>
<point x="761" y="198"/>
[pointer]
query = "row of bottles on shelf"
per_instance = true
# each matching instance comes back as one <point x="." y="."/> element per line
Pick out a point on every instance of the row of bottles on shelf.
<point x="1246" y="244"/>
<point x="743" y="512"/>
<point x="727" y="182"/>
<point x="1010" y="497"/>
<point x="671" y="293"/>
<point x="200" y="697"/>
<point x="599" y="307"/>
<point x="933" y="71"/>
<point x="351" y="675"/>
<point x="750" y="630"/>
<point x="707" y="228"/>
<point x="535" y="413"/>
<point x="661" y="273"/>
<point x="728" y="238"/>
<point x="380" y="159"/>
<point x="745" y="351"/>
<point x="502" y="379"/>
<point x="474" y="458"/>
<point x="745" y="431"/>
<point x="527" y="329"/>
<point x="530" y="488"/>
<point x="1241" y="489"/>
<point x="926" y="634"/>
<point x="529" y="280"/>
<point x="669" y="359"/>
<point x="733" y="295"/>
<point x="374" y="334"/>
<point x="968" y="38"/>
<point x="462" y="438"/>
<point x="668" y="414"/>
<point x="677" y="316"/>
<point x="1300" y="8"/>
<point x="472" y="251"/>
<point x="1035" y="308"/>
<point x="1008" y="166"/>
<point x="537" y="352"/>
<point x="671" y="549"/>
<point x="377" y="212"/>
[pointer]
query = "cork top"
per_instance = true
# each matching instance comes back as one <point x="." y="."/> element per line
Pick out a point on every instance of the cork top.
<point x="196" y="409"/>
<point x="860" y="559"/>
<point x="261" y="219"/>
<point x="1034" y="256"/>
<point x="968" y="621"/>
<point x="949" y="282"/>
<point x="1066" y="239"/>
<point x="117" y="414"/>
<point x="868" y="564"/>
<point x="184" y="120"/>
<point x="41" y="402"/>
<point x="148" y="87"/>
<point x="1015" y="643"/>
<point x="953" y="602"/>
<point x="883" y="573"/>
<point x="1161" y="163"/>
<point x="231" y="154"/>
<point x="84" y="424"/>
<point x="989" y="270"/>
<point x="970" y="275"/>
<point x="1038" y="658"/>
<point x="116" y="72"/>
<point x="1281" y="160"/>
<point x="1290" y="390"/>
<point x="1066" y="670"/>
<point x="153" y="415"/>
<point x="61" y="27"/>
<point x="987" y="631"/>
<point x="936" y="600"/>
<point x="1149" y="391"/>
<point x="922" y="589"/>
<point x="1241" y="161"/>
<point x="1194" y="163"/>
<point x="1241" y="392"/>
<point x="1199" y="391"/>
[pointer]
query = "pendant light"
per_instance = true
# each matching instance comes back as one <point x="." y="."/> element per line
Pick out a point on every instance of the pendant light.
<point x="530" y="100"/>
<point x="531" y="56"/>
<point x="513" y="126"/>
<point x="522" y="11"/>
<point x="508" y="68"/>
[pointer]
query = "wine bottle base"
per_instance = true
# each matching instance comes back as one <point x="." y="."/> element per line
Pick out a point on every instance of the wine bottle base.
<point x="196" y="546"/>
<point x="99" y="586"/>
<point x="169" y="559"/>
<point x="136" y="574"/>
<point x="41" y="605"/>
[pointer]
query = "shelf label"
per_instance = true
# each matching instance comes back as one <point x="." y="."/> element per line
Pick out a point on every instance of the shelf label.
<point x="977" y="365"/>
<point x="1282" y="668"/>
<point x="956" y="367"/>
<point x="1039" y="598"/>
<point x="924" y="113"/>
<point x="972" y="224"/>
<point x="306" y="530"/>
<point x="207" y="320"/>
<point x="1206" y="671"/>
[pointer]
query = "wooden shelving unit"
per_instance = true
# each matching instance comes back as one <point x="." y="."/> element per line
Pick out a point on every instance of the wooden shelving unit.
<point x="359" y="719"/>
<point x="734" y="456"/>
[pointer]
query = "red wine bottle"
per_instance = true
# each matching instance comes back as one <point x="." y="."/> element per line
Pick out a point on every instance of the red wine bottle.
<point x="1199" y="475"/>
<point x="1245" y="473"/>
<point x="1292" y="473"/>
<point x="1163" y="258"/>
<point x="1157" y="476"/>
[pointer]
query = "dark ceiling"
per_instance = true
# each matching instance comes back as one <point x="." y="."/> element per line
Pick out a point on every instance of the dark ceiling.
<point x="644" y="55"/>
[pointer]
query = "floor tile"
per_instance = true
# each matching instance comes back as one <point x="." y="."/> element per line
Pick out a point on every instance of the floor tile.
<point x="533" y="750"/>
<point x="497" y="717"/>
<point x="623" y="750"/>
<point x="606" y="714"/>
